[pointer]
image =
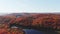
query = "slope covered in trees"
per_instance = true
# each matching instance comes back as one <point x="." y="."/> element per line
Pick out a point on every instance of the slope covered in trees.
<point x="36" y="21"/>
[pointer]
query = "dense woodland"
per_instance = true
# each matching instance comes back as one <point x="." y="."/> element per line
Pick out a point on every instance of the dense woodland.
<point x="43" y="22"/>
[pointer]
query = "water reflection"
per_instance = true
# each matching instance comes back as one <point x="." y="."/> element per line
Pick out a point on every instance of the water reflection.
<point x="31" y="31"/>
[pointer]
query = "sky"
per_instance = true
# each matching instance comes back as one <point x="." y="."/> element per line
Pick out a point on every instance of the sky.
<point x="29" y="6"/>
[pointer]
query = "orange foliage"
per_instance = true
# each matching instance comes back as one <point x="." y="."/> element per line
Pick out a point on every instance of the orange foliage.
<point x="43" y="20"/>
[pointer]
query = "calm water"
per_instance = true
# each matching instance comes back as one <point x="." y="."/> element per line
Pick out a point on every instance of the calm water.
<point x="31" y="31"/>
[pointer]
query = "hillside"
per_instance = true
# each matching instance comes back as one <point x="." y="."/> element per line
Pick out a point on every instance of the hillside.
<point x="37" y="21"/>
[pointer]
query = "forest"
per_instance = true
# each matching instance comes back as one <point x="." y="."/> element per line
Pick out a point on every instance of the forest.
<point x="40" y="22"/>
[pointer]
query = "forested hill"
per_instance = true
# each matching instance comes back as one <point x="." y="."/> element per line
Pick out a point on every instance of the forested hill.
<point x="32" y="20"/>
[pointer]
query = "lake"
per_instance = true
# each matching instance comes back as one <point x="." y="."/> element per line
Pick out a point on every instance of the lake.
<point x="32" y="31"/>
